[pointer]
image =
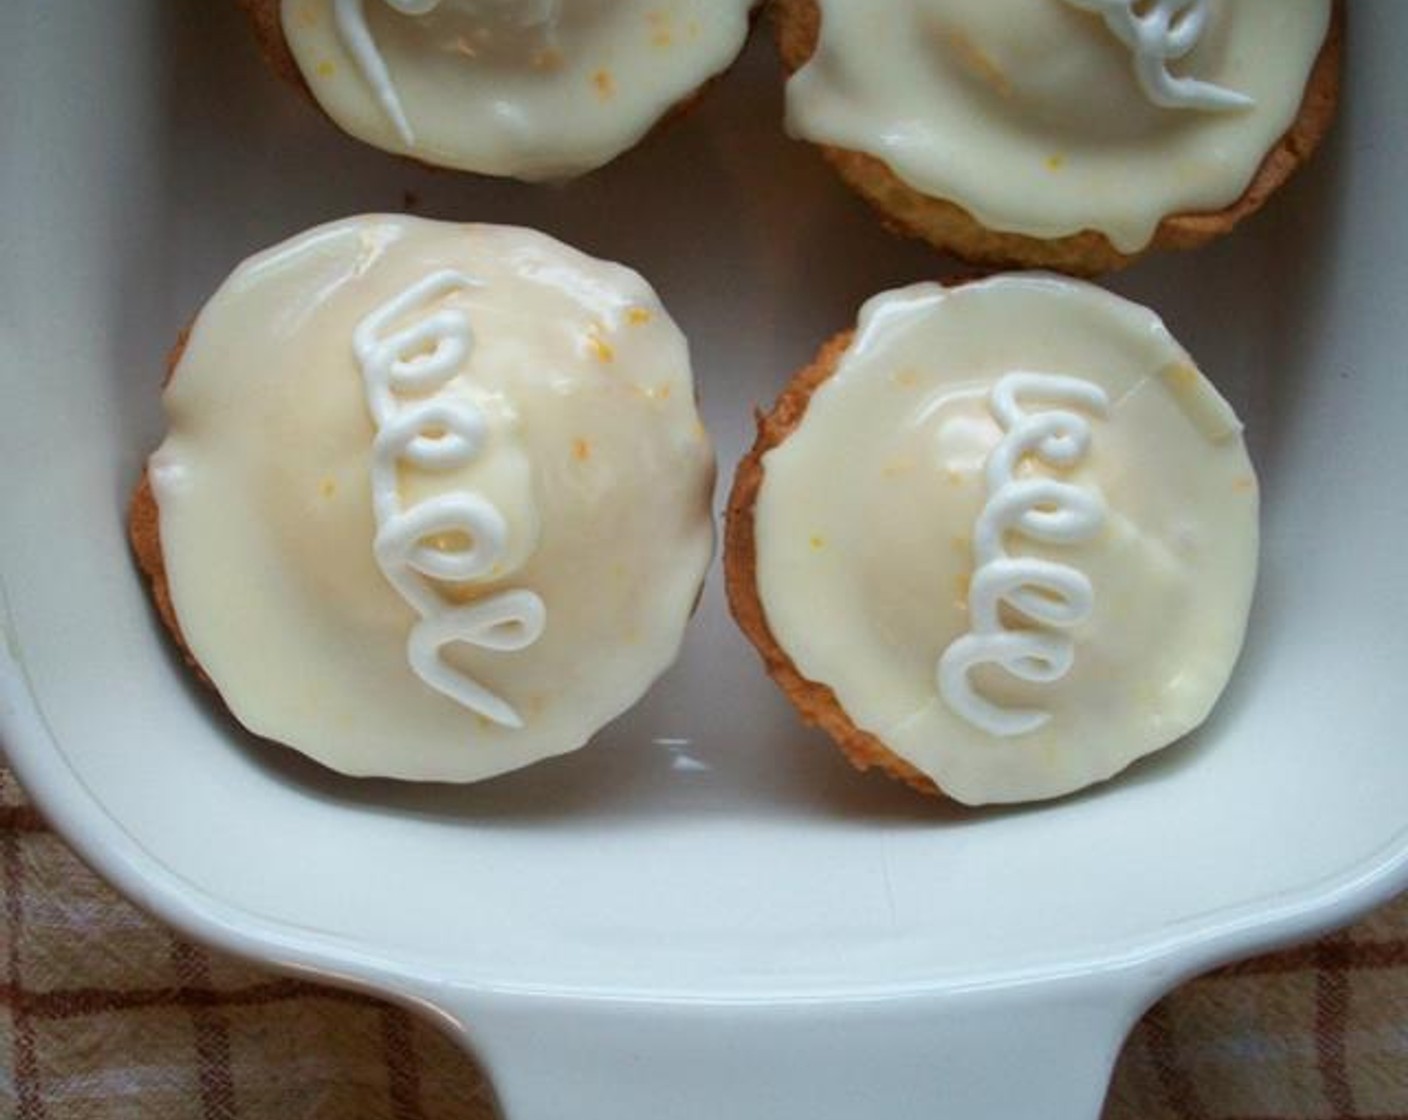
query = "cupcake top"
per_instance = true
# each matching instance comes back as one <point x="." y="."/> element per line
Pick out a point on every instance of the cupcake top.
<point x="435" y="499"/>
<point x="535" y="89"/>
<point x="1049" y="117"/>
<point x="1015" y="533"/>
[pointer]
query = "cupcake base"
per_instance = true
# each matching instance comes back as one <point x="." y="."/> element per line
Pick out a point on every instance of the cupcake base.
<point x="815" y="703"/>
<point x="950" y="228"/>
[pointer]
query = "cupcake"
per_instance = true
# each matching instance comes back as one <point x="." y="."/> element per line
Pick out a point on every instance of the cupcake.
<point x="434" y="499"/>
<point x="533" y="89"/>
<point x="1000" y="541"/>
<point x="1066" y="134"/>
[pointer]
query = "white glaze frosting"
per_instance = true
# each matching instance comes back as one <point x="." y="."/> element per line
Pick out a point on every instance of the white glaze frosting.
<point x="1158" y="34"/>
<point x="1119" y="576"/>
<point x="350" y="19"/>
<point x="403" y="370"/>
<point x="435" y="498"/>
<point x="536" y="89"/>
<point x="1046" y="594"/>
<point x="1032" y="115"/>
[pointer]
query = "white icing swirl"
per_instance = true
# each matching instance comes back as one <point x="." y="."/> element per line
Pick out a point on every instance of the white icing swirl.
<point x="1046" y="510"/>
<point x="1160" y="32"/>
<point x="351" y="19"/>
<point x="437" y="434"/>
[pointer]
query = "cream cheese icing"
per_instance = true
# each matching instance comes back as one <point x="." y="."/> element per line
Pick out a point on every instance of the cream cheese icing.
<point x="1158" y="33"/>
<point x="1050" y="117"/>
<point x="403" y="371"/>
<point x="1038" y="558"/>
<point x="1050" y="595"/>
<point x="434" y="499"/>
<point x="535" y="89"/>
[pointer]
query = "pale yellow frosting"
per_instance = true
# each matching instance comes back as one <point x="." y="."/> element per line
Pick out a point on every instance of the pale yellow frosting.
<point x="867" y="514"/>
<point x="535" y="89"/>
<point x="591" y="453"/>
<point x="1032" y="116"/>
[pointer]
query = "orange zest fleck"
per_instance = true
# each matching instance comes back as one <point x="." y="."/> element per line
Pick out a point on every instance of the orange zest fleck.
<point x="600" y="348"/>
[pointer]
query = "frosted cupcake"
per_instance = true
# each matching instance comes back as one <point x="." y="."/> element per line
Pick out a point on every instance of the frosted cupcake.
<point x="1068" y="134"/>
<point x="533" y="89"/>
<point x="1000" y="541"/>
<point x="434" y="502"/>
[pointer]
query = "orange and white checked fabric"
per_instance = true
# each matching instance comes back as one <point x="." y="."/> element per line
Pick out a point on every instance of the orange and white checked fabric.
<point x="106" y="1015"/>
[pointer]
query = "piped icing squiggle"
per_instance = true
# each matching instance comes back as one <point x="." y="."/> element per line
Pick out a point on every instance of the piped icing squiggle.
<point x="351" y="19"/>
<point x="1032" y="117"/>
<point x="438" y="435"/>
<point x="1038" y="561"/>
<point x="1159" y="33"/>
<point x="535" y="89"/>
<point x="1054" y="596"/>
<point x="435" y="499"/>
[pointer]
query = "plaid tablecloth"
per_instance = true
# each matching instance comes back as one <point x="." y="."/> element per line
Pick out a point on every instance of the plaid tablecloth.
<point x="107" y="1015"/>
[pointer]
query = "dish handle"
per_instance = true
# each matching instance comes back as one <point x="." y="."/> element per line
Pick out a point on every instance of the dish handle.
<point x="1028" y="1052"/>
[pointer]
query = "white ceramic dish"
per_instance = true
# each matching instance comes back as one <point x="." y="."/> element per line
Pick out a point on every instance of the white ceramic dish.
<point x="706" y="914"/>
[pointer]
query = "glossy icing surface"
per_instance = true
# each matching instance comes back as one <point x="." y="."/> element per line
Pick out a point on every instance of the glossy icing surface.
<point x="1049" y="117"/>
<point x="332" y="627"/>
<point x="1129" y="567"/>
<point x="536" y="89"/>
